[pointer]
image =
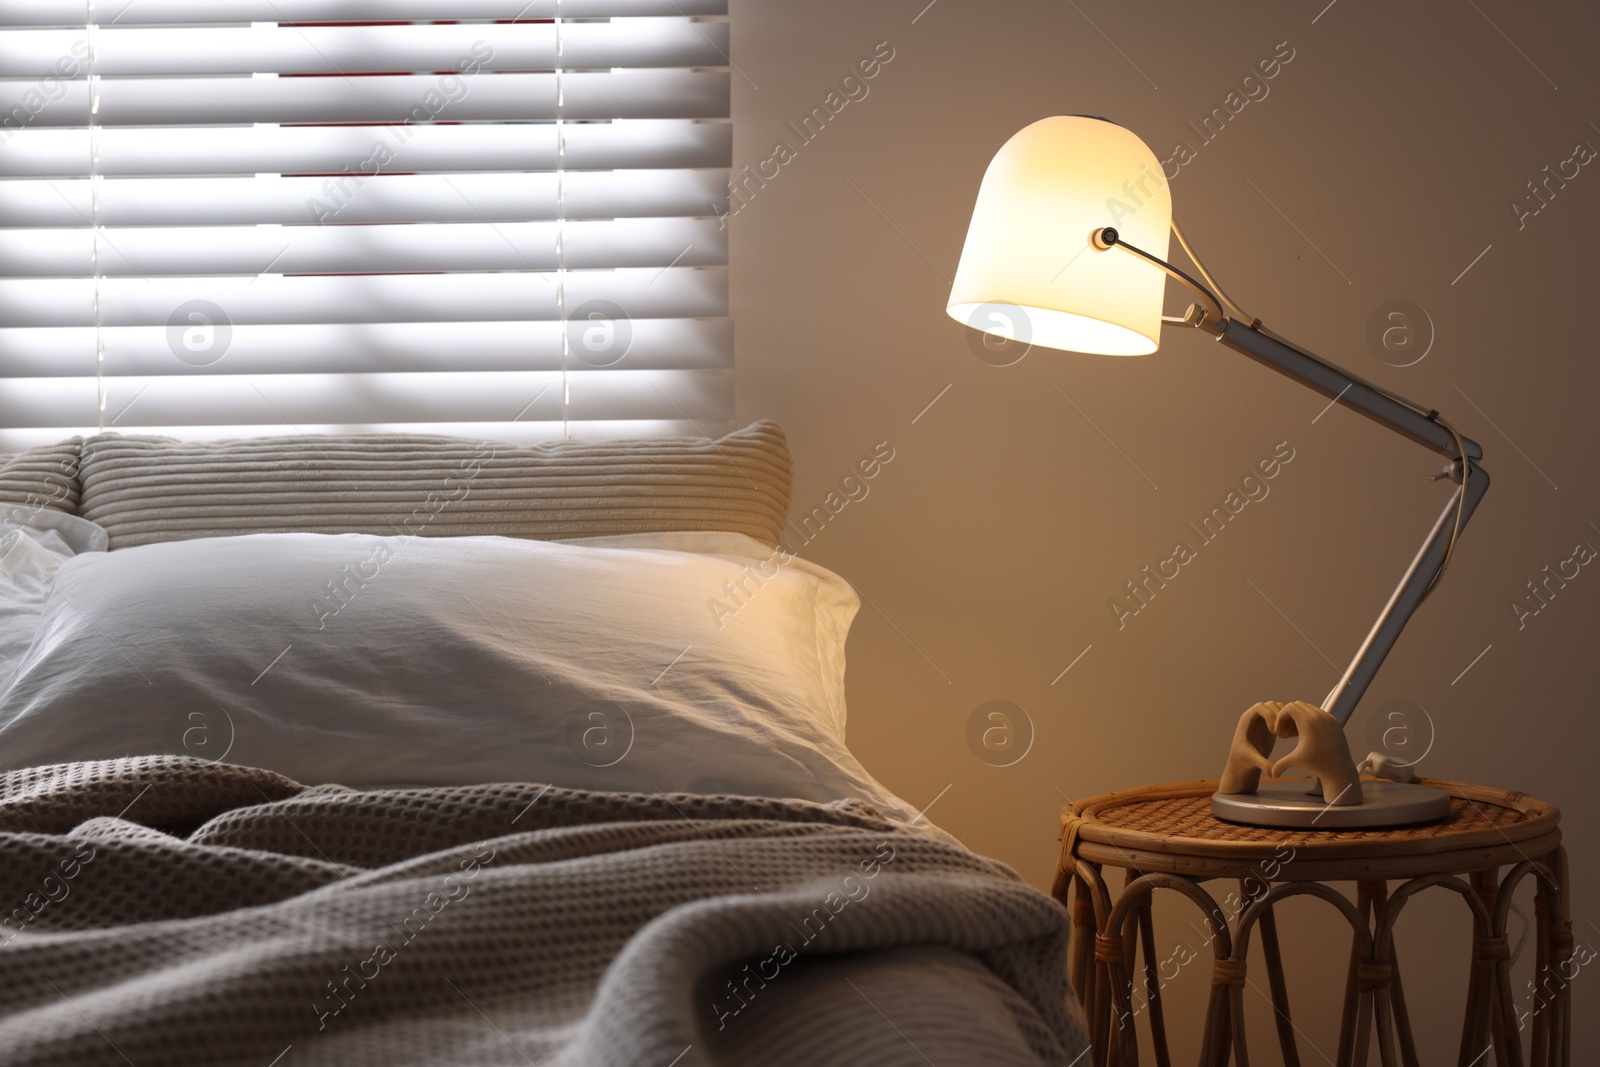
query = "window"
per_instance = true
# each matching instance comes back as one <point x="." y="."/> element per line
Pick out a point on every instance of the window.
<point x="237" y="217"/>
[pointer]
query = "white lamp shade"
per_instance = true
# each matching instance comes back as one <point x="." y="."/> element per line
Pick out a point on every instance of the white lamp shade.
<point x="1028" y="270"/>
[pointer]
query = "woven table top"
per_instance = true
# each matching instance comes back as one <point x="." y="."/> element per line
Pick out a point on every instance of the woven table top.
<point x="1175" y="821"/>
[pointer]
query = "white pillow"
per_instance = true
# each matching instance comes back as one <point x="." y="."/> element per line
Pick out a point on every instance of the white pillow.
<point x="434" y="661"/>
<point x="836" y="603"/>
<point x="34" y="543"/>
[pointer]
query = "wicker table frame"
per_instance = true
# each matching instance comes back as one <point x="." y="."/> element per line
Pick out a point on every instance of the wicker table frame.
<point x="1165" y="837"/>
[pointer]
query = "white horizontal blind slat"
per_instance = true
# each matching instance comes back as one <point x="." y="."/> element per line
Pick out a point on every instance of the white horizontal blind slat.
<point x="250" y="150"/>
<point x="291" y="400"/>
<point x="488" y="97"/>
<point x="351" y="348"/>
<point x="70" y="13"/>
<point x="352" y="50"/>
<point x="244" y="214"/>
<point x="250" y="250"/>
<point x="676" y="292"/>
<point x="468" y="197"/>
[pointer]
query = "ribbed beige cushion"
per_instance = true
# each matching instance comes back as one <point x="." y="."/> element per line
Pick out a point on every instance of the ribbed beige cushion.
<point x="149" y="489"/>
<point x="43" y="477"/>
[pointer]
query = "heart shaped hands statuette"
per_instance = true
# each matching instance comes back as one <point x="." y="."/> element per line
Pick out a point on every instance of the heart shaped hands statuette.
<point x="1321" y="750"/>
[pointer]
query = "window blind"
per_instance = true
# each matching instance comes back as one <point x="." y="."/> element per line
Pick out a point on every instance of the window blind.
<point x="489" y="217"/>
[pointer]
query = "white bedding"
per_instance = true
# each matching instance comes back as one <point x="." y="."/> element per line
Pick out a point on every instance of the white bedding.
<point x="413" y="661"/>
<point x="34" y="543"/>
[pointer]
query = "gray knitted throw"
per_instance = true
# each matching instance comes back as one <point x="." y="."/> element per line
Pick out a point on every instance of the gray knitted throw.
<point x="165" y="910"/>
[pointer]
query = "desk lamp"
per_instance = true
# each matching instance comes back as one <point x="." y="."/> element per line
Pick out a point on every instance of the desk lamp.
<point x="1067" y="249"/>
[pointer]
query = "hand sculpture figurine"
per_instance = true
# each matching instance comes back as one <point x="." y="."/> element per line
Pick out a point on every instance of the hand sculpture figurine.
<point x="1322" y="750"/>
<point x="1252" y="744"/>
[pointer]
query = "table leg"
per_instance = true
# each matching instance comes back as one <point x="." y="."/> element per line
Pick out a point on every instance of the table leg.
<point x="1508" y="1041"/>
<point x="1219" y="1030"/>
<point x="1125" y="1051"/>
<point x="1082" y="940"/>
<point x="1380" y="985"/>
<point x="1280" y="989"/>
<point x="1221" y="1007"/>
<point x="1541" y="968"/>
<point x="1353" y="1000"/>
<point x="1152" y="987"/>
<point x="1383" y="1011"/>
<point x="1088" y="974"/>
<point x="1475" y="1025"/>
<point x="1561" y="1022"/>
<point x="1100" y="1019"/>
<point x="1552" y="1026"/>
<point x="1497" y="994"/>
<point x="1120" y="1036"/>
<point x="1362" y="1038"/>
<point x="1402" y="1017"/>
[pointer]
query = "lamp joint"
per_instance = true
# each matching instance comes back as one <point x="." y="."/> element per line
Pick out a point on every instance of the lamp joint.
<point x="1202" y="319"/>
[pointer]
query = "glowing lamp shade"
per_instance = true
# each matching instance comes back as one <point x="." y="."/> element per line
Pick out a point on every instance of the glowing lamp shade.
<point x="1028" y="271"/>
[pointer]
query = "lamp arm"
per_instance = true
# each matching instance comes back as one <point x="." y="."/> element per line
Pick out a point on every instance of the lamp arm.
<point x="1106" y="238"/>
<point x="1336" y="383"/>
<point x="1342" y="699"/>
<point x="1388" y="409"/>
<point x="1224" y="320"/>
<point x="1254" y="340"/>
<point x="1379" y="406"/>
<point x="1205" y="275"/>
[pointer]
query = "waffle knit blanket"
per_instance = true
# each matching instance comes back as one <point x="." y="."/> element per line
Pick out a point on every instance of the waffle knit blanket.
<point x="165" y="910"/>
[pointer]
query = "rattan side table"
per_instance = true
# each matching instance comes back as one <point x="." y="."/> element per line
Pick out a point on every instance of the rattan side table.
<point x="1165" y="837"/>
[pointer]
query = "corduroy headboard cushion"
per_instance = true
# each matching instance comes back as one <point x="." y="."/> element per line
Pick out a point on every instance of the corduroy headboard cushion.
<point x="43" y="477"/>
<point x="149" y="489"/>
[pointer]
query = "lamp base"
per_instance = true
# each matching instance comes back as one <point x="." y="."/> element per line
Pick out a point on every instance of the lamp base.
<point x="1287" y="804"/>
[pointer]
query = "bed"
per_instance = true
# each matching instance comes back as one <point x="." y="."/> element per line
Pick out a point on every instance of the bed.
<point x="382" y="749"/>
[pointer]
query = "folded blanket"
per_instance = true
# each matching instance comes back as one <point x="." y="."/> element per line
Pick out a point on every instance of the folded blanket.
<point x="165" y="910"/>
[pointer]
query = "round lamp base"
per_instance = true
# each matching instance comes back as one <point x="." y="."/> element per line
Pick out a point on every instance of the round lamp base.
<point x="1287" y="804"/>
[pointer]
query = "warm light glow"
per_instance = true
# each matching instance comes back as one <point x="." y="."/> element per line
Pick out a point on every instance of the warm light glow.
<point x="1028" y="271"/>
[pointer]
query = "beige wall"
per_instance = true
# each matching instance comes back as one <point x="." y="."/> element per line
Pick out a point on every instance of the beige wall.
<point x="988" y="548"/>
